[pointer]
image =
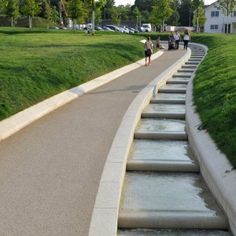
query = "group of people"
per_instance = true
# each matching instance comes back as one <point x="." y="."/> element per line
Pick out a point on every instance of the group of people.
<point x="174" y="39"/>
<point x="173" y="43"/>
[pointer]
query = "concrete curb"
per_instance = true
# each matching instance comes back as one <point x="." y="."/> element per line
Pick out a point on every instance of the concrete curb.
<point x="171" y="219"/>
<point x="215" y="168"/>
<point x="20" y="120"/>
<point x="105" y="212"/>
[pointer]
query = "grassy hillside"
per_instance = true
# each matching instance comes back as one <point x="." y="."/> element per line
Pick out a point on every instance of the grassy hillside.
<point x="215" y="91"/>
<point x="36" y="64"/>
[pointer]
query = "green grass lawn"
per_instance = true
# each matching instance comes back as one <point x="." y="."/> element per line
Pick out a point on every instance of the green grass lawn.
<point x="36" y="64"/>
<point x="215" y="91"/>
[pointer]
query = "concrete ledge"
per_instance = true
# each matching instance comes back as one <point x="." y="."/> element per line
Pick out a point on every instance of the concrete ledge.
<point x="106" y="224"/>
<point x="215" y="168"/>
<point x="164" y="115"/>
<point x="20" y="120"/>
<point x="165" y="101"/>
<point x="162" y="135"/>
<point x="172" y="90"/>
<point x="171" y="166"/>
<point x="172" y="219"/>
<point x="179" y="81"/>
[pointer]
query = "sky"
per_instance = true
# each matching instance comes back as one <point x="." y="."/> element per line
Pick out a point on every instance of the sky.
<point x="124" y="2"/>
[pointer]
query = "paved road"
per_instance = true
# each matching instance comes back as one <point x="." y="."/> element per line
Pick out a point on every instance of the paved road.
<point x="50" y="171"/>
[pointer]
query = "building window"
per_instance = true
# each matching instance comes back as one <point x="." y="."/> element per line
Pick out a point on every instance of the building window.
<point x="234" y="13"/>
<point x="214" y="13"/>
<point x="214" y="27"/>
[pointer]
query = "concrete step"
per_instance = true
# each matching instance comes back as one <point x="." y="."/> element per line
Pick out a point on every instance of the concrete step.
<point x="191" y="63"/>
<point x="173" y="88"/>
<point x="195" y="59"/>
<point x="168" y="129"/>
<point x="168" y="200"/>
<point x="167" y="101"/>
<point x="186" y="70"/>
<point x="150" y="155"/>
<point x="172" y="232"/>
<point x="197" y="52"/>
<point x="189" y="66"/>
<point x="164" y="111"/>
<point x="177" y="86"/>
<point x="169" y="98"/>
<point x="182" y="75"/>
<point x="197" y="55"/>
<point x="177" y="81"/>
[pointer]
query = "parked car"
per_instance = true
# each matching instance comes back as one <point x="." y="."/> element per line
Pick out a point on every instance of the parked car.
<point x="99" y="28"/>
<point x="124" y="29"/>
<point x="113" y="27"/>
<point x="146" y="27"/>
<point x="107" y="28"/>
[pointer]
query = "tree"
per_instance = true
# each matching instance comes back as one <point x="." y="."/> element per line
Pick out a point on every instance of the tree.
<point x="115" y="16"/>
<point x="55" y="14"/>
<point x="144" y="5"/>
<point x="30" y="8"/>
<point x="186" y="13"/>
<point x="124" y="12"/>
<point x="161" y="11"/>
<point x="12" y="10"/>
<point x="137" y="16"/>
<point x="77" y="11"/>
<point x="106" y="9"/>
<point x="3" y="4"/>
<point x="174" y="18"/>
<point x="227" y="7"/>
<point x="46" y="10"/>
<point x="199" y="18"/>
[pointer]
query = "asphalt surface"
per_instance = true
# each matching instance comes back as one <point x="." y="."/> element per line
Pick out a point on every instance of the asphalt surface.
<point x="50" y="170"/>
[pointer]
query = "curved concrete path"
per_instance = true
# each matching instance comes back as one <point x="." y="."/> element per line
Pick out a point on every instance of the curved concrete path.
<point x="50" y="170"/>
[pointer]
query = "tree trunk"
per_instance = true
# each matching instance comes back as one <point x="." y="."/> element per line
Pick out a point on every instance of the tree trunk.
<point x="30" y="22"/>
<point x="12" y="22"/>
<point x="197" y="25"/>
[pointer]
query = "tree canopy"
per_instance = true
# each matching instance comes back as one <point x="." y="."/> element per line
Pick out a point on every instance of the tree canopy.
<point x="158" y="12"/>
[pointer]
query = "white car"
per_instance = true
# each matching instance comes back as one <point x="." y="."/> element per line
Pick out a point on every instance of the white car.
<point x="146" y="27"/>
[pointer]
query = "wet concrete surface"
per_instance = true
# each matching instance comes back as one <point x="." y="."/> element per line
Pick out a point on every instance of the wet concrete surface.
<point x="175" y="86"/>
<point x="166" y="192"/>
<point x="161" y="125"/>
<point x="178" y="78"/>
<point x="168" y="232"/>
<point x="149" y="150"/>
<point x="170" y="96"/>
<point x="164" y="108"/>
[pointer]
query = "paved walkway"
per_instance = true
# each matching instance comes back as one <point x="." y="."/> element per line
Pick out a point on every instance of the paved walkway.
<point x="50" y="171"/>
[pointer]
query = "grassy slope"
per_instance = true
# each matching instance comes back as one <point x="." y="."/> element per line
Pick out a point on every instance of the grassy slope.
<point x="35" y="65"/>
<point x="215" y="91"/>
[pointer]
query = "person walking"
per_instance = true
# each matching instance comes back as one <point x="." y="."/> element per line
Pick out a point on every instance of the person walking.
<point x="177" y="39"/>
<point x="148" y="50"/>
<point x="186" y="39"/>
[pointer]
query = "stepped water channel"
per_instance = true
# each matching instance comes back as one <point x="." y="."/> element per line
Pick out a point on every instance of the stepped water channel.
<point x="164" y="192"/>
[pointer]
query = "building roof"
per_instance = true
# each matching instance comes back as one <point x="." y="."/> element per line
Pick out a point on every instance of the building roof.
<point x="206" y="6"/>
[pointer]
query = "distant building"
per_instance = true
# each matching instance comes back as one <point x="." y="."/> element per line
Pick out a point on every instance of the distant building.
<point x="217" y="21"/>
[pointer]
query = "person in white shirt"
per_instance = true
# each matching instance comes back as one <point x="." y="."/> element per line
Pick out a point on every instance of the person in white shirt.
<point x="186" y="39"/>
<point x="148" y="50"/>
<point x="177" y="39"/>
